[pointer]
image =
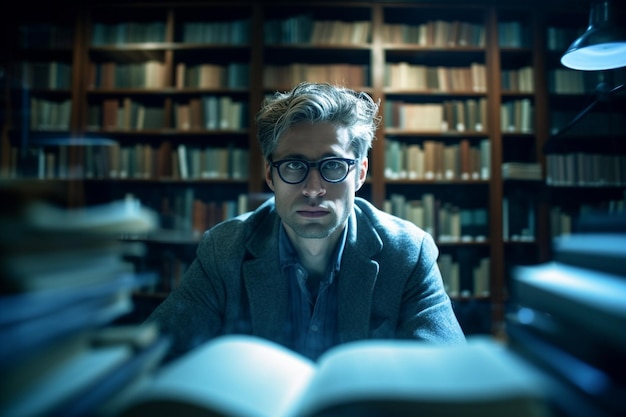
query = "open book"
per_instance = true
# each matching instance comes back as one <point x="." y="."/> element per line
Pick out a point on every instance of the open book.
<point x="246" y="376"/>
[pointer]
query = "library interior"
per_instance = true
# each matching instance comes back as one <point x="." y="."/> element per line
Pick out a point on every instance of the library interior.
<point x="128" y="130"/>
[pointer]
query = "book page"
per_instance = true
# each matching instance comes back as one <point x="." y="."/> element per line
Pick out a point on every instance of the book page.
<point x="411" y="377"/>
<point x="229" y="376"/>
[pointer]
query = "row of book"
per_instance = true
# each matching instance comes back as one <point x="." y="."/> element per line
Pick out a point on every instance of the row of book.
<point x="441" y="79"/>
<point x="447" y="116"/>
<point x="185" y="213"/>
<point x="305" y="29"/>
<point x="111" y="74"/>
<point x="52" y="75"/>
<point x="446" y="222"/>
<point x="208" y="112"/>
<point x="563" y="220"/>
<point x="195" y="162"/>
<point x="338" y="32"/>
<point x="207" y="75"/>
<point x="151" y="74"/>
<point x="436" y="160"/>
<point x="586" y="169"/>
<point x="124" y="114"/>
<point x="139" y="161"/>
<point x="513" y="34"/>
<point x="237" y="32"/>
<point x="517" y="116"/>
<point x="453" y="272"/>
<point x="518" y="219"/>
<point x="284" y="76"/>
<point x="127" y="32"/>
<point x="560" y="38"/>
<point x="521" y="80"/>
<point x="402" y="75"/>
<point x="47" y="114"/>
<point x="186" y="210"/>
<point x="522" y="171"/>
<point x="228" y="32"/>
<point x="566" y="81"/>
<point x="437" y="33"/>
<point x="292" y="30"/>
<point x="212" y="113"/>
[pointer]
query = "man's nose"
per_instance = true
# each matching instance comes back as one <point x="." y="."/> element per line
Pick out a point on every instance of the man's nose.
<point x="314" y="184"/>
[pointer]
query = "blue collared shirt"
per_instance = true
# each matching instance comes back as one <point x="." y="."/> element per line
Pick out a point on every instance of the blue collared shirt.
<point x="312" y="325"/>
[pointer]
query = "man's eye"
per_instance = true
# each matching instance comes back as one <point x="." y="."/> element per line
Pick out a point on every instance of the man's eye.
<point x="294" y="166"/>
<point x="332" y="165"/>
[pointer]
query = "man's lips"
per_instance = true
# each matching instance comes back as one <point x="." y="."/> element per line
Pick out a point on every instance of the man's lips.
<point x="312" y="213"/>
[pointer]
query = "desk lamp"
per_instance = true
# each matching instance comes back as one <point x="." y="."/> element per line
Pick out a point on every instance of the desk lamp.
<point x="602" y="46"/>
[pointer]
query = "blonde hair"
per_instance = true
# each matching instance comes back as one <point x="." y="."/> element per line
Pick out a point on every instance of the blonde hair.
<point x="317" y="103"/>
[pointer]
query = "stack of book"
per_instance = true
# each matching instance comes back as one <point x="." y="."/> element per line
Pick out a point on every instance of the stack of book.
<point x="569" y="321"/>
<point x="521" y="171"/>
<point x="63" y="283"/>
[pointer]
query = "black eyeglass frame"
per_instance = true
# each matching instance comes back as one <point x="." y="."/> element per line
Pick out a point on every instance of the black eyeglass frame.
<point x="317" y="164"/>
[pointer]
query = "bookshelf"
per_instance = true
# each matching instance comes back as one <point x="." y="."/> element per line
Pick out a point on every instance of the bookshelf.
<point x="174" y="89"/>
<point x="172" y="85"/>
<point x="585" y="165"/>
<point x="434" y="65"/>
<point x="521" y="232"/>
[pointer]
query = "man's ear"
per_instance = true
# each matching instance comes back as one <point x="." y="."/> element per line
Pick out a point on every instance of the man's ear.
<point x="362" y="167"/>
<point x="269" y="179"/>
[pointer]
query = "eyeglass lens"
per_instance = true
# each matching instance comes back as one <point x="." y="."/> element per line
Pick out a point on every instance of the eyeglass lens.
<point x="332" y="170"/>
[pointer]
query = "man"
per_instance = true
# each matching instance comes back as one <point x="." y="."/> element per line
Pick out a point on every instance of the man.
<point x="314" y="266"/>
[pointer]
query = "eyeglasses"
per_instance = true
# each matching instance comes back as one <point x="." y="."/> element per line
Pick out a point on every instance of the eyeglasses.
<point x="294" y="171"/>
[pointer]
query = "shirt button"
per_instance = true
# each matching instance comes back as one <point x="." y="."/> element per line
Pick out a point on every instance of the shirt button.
<point x="314" y="328"/>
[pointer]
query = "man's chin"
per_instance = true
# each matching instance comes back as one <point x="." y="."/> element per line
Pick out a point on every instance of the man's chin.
<point x="313" y="231"/>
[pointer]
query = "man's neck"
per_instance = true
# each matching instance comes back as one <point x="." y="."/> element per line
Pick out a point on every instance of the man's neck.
<point x="315" y="254"/>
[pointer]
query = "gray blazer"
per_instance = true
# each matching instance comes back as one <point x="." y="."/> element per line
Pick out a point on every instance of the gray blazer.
<point x="389" y="285"/>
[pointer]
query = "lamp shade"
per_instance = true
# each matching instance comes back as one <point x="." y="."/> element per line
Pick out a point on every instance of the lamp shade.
<point x="602" y="46"/>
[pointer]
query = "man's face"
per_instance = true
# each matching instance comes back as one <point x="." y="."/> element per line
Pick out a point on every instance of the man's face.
<point x="315" y="208"/>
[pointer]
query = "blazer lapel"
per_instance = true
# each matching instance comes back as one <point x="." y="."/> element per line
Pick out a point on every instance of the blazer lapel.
<point x="357" y="278"/>
<point x="268" y="294"/>
<point x="266" y="288"/>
